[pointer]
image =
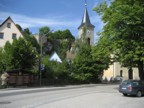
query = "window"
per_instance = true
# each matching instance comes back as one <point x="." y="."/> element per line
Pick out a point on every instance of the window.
<point x="121" y="73"/>
<point x="135" y="83"/>
<point x="9" y="25"/>
<point x="1" y="35"/>
<point x="130" y="73"/>
<point x="88" y="40"/>
<point x="14" y="36"/>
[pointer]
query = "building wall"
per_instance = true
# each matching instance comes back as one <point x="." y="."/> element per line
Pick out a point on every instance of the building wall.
<point x="90" y="34"/>
<point x="116" y="69"/>
<point x="40" y="38"/>
<point x="109" y="73"/>
<point x="8" y="32"/>
<point x="37" y="37"/>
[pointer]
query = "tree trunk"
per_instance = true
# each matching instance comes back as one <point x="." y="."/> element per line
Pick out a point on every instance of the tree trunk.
<point x="141" y="70"/>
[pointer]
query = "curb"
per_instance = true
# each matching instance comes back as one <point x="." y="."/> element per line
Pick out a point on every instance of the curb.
<point x="18" y="91"/>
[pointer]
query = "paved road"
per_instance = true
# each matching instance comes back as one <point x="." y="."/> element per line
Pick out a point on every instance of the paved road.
<point x="96" y="96"/>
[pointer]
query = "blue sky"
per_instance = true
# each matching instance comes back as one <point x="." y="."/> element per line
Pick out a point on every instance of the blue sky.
<point x="56" y="14"/>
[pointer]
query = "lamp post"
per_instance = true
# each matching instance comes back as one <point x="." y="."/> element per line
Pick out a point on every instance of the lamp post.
<point x="41" y="53"/>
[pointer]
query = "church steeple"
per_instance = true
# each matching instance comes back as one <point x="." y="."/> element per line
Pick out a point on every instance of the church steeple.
<point x="89" y="27"/>
<point x="85" y="19"/>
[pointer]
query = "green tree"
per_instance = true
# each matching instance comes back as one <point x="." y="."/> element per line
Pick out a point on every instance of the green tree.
<point x="18" y="55"/>
<point x="85" y="68"/>
<point x="58" y="40"/>
<point x="8" y="50"/>
<point x="6" y="57"/>
<point x="66" y="34"/>
<point x="33" y="41"/>
<point x="26" y="32"/>
<point x="62" y="49"/>
<point x="101" y="53"/>
<point x="81" y="64"/>
<point x="55" y="72"/>
<point x="44" y="31"/>
<point x="2" y="61"/>
<point x="56" y="35"/>
<point x="124" y="25"/>
<point x="24" y="55"/>
<point x="19" y="27"/>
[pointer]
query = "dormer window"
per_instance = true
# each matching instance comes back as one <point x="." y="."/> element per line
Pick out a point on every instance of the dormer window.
<point x="8" y="25"/>
<point x="14" y="36"/>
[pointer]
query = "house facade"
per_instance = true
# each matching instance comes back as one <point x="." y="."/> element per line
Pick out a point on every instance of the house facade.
<point x="8" y="31"/>
<point x="116" y="69"/>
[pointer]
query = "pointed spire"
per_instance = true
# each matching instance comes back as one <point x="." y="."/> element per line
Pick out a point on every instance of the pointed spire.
<point x="86" y="19"/>
<point x="85" y="3"/>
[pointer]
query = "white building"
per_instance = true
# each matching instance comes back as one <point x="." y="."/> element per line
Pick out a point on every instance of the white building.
<point x="55" y="57"/>
<point x="8" y="31"/>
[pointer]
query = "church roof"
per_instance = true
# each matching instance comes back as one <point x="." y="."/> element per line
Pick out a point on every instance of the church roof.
<point x="86" y="20"/>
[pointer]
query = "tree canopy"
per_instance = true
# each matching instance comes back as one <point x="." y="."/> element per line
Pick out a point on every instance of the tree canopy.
<point x="58" y="41"/>
<point x="86" y="69"/>
<point x="21" y="54"/>
<point x="124" y="28"/>
<point x="44" y="31"/>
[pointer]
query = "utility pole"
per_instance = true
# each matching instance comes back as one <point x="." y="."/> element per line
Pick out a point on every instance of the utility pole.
<point x="40" y="61"/>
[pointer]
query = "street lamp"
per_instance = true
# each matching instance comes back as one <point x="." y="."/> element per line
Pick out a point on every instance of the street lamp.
<point x="41" y="53"/>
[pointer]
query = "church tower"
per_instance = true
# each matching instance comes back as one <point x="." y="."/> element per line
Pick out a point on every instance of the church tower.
<point x="89" y="28"/>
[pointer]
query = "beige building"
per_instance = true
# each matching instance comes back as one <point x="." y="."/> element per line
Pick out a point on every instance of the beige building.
<point x="8" y="31"/>
<point x="116" y="69"/>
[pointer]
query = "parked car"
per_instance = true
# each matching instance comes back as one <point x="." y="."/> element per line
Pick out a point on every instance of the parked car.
<point x="118" y="79"/>
<point x="132" y="87"/>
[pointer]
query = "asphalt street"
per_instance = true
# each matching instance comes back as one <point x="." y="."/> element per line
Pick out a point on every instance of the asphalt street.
<point x="91" y="96"/>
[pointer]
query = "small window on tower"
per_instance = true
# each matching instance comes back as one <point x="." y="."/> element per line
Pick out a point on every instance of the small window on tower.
<point x="88" y="40"/>
<point x="14" y="36"/>
<point x="9" y="25"/>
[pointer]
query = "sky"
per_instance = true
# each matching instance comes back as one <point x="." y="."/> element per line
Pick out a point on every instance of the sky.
<point x="56" y="14"/>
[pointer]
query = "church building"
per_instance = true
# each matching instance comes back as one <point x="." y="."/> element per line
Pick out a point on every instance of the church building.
<point x="89" y="29"/>
<point x="86" y="23"/>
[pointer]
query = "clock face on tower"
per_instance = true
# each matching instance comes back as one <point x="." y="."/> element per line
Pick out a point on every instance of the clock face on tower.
<point x="88" y="32"/>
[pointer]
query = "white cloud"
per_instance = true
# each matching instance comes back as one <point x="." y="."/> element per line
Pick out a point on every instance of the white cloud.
<point x="55" y="22"/>
<point x="26" y="21"/>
